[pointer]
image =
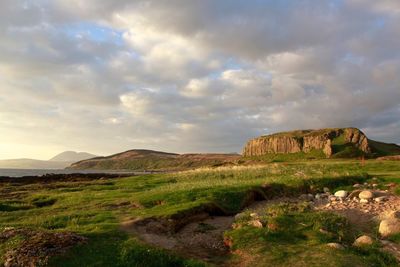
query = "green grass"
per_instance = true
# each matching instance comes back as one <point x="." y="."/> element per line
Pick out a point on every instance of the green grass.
<point x="296" y="240"/>
<point x="96" y="209"/>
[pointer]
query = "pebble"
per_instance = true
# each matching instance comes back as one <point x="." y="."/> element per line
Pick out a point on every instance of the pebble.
<point x="356" y="185"/>
<point x="335" y="245"/>
<point x="341" y="194"/>
<point x="366" y="194"/>
<point x="364" y="201"/>
<point x="363" y="240"/>
<point x="256" y="223"/>
<point x="380" y="199"/>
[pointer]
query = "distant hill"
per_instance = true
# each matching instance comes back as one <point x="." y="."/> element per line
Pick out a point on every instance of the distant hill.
<point x="32" y="164"/>
<point x="72" y="156"/>
<point x="330" y="143"/>
<point x="59" y="161"/>
<point x="142" y="159"/>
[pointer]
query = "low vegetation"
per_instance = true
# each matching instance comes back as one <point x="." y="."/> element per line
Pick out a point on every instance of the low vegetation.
<point x="95" y="209"/>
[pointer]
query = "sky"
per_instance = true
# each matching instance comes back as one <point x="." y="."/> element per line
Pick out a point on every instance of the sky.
<point x="194" y="75"/>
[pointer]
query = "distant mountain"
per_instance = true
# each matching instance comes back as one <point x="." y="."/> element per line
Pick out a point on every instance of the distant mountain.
<point x="72" y="156"/>
<point x="32" y="164"/>
<point x="142" y="159"/>
<point x="59" y="161"/>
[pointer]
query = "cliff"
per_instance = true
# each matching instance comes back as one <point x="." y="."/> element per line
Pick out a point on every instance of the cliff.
<point x="330" y="141"/>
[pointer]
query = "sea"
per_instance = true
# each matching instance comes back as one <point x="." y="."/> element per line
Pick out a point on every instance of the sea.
<point x="40" y="172"/>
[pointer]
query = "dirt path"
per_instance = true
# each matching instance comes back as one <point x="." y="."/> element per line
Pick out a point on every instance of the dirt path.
<point x="202" y="238"/>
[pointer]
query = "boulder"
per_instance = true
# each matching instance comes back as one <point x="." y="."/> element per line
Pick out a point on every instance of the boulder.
<point x="363" y="240"/>
<point x="389" y="227"/>
<point x="341" y="193"/>
<point x="366" y="194"/>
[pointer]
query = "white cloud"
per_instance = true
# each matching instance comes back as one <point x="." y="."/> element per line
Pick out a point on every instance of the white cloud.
<point x="194" y="76"/>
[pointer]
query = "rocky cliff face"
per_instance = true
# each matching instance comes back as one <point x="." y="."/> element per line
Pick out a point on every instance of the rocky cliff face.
<point x="305" y="141"/>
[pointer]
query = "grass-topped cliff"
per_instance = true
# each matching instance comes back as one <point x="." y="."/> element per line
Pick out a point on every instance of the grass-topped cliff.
<point x="321" y="143"/>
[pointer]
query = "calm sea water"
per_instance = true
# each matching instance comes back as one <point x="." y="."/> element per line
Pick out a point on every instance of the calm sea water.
<point x="37" y="172"/>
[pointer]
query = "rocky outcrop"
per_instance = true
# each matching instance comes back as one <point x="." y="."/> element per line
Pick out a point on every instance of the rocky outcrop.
<point x="305" y="141"/>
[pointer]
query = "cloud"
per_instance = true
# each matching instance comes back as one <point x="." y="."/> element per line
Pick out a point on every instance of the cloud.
<point x="194" y="76"/>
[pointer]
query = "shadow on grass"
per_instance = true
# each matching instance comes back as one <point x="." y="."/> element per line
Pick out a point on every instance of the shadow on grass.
<point x="118" y="249"/>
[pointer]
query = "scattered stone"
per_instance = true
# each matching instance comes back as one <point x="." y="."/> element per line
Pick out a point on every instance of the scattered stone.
<point x="323" y="231"/>
<point x="326" y="189"/>
<point x="389" y="227"/>
<point x="380" y="199"/>
<point x="363" y="240"/>
<point x="332" y="198"/>
<point x="256" y="223"/>
<point x="318" y="196"/>
<point x="355" y="193"/>
<point x="253" y="215"/>
<point x="341" y="194"/>
<point x="356" y="185"/>
<point x="335" y="245"/>
<point x="38" y="246"/>
<point x="374" y="185"/>
<point x="366" y="194"/>
<point x="364" y="201"/>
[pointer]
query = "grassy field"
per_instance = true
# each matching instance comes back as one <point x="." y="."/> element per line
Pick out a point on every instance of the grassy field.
<point x="96" y="209"/>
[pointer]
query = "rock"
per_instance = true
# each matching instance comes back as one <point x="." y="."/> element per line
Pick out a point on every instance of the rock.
<point x="326" y="189"/>
<point x="354" y="193"/>
<point x="363" y="240"/>
<point x="364" y="201"/>
<point x="341" y="193"/>
<point x="318" y="196"/>
<point x="366" y="194"/>
<point x="256" y="223"/>
<point x="332" y="198"/>
<point x="374" y="185"/>
<point x="356" y="185"/>
<point x="380" y="199"/>
<point x="389" y="227"/>
<point x="323" y="231"/>
<point x="253" y="215"/>
<point x="335" y="245"/>
<point x="305" y="141"/>
<point x="393" y="215"/>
